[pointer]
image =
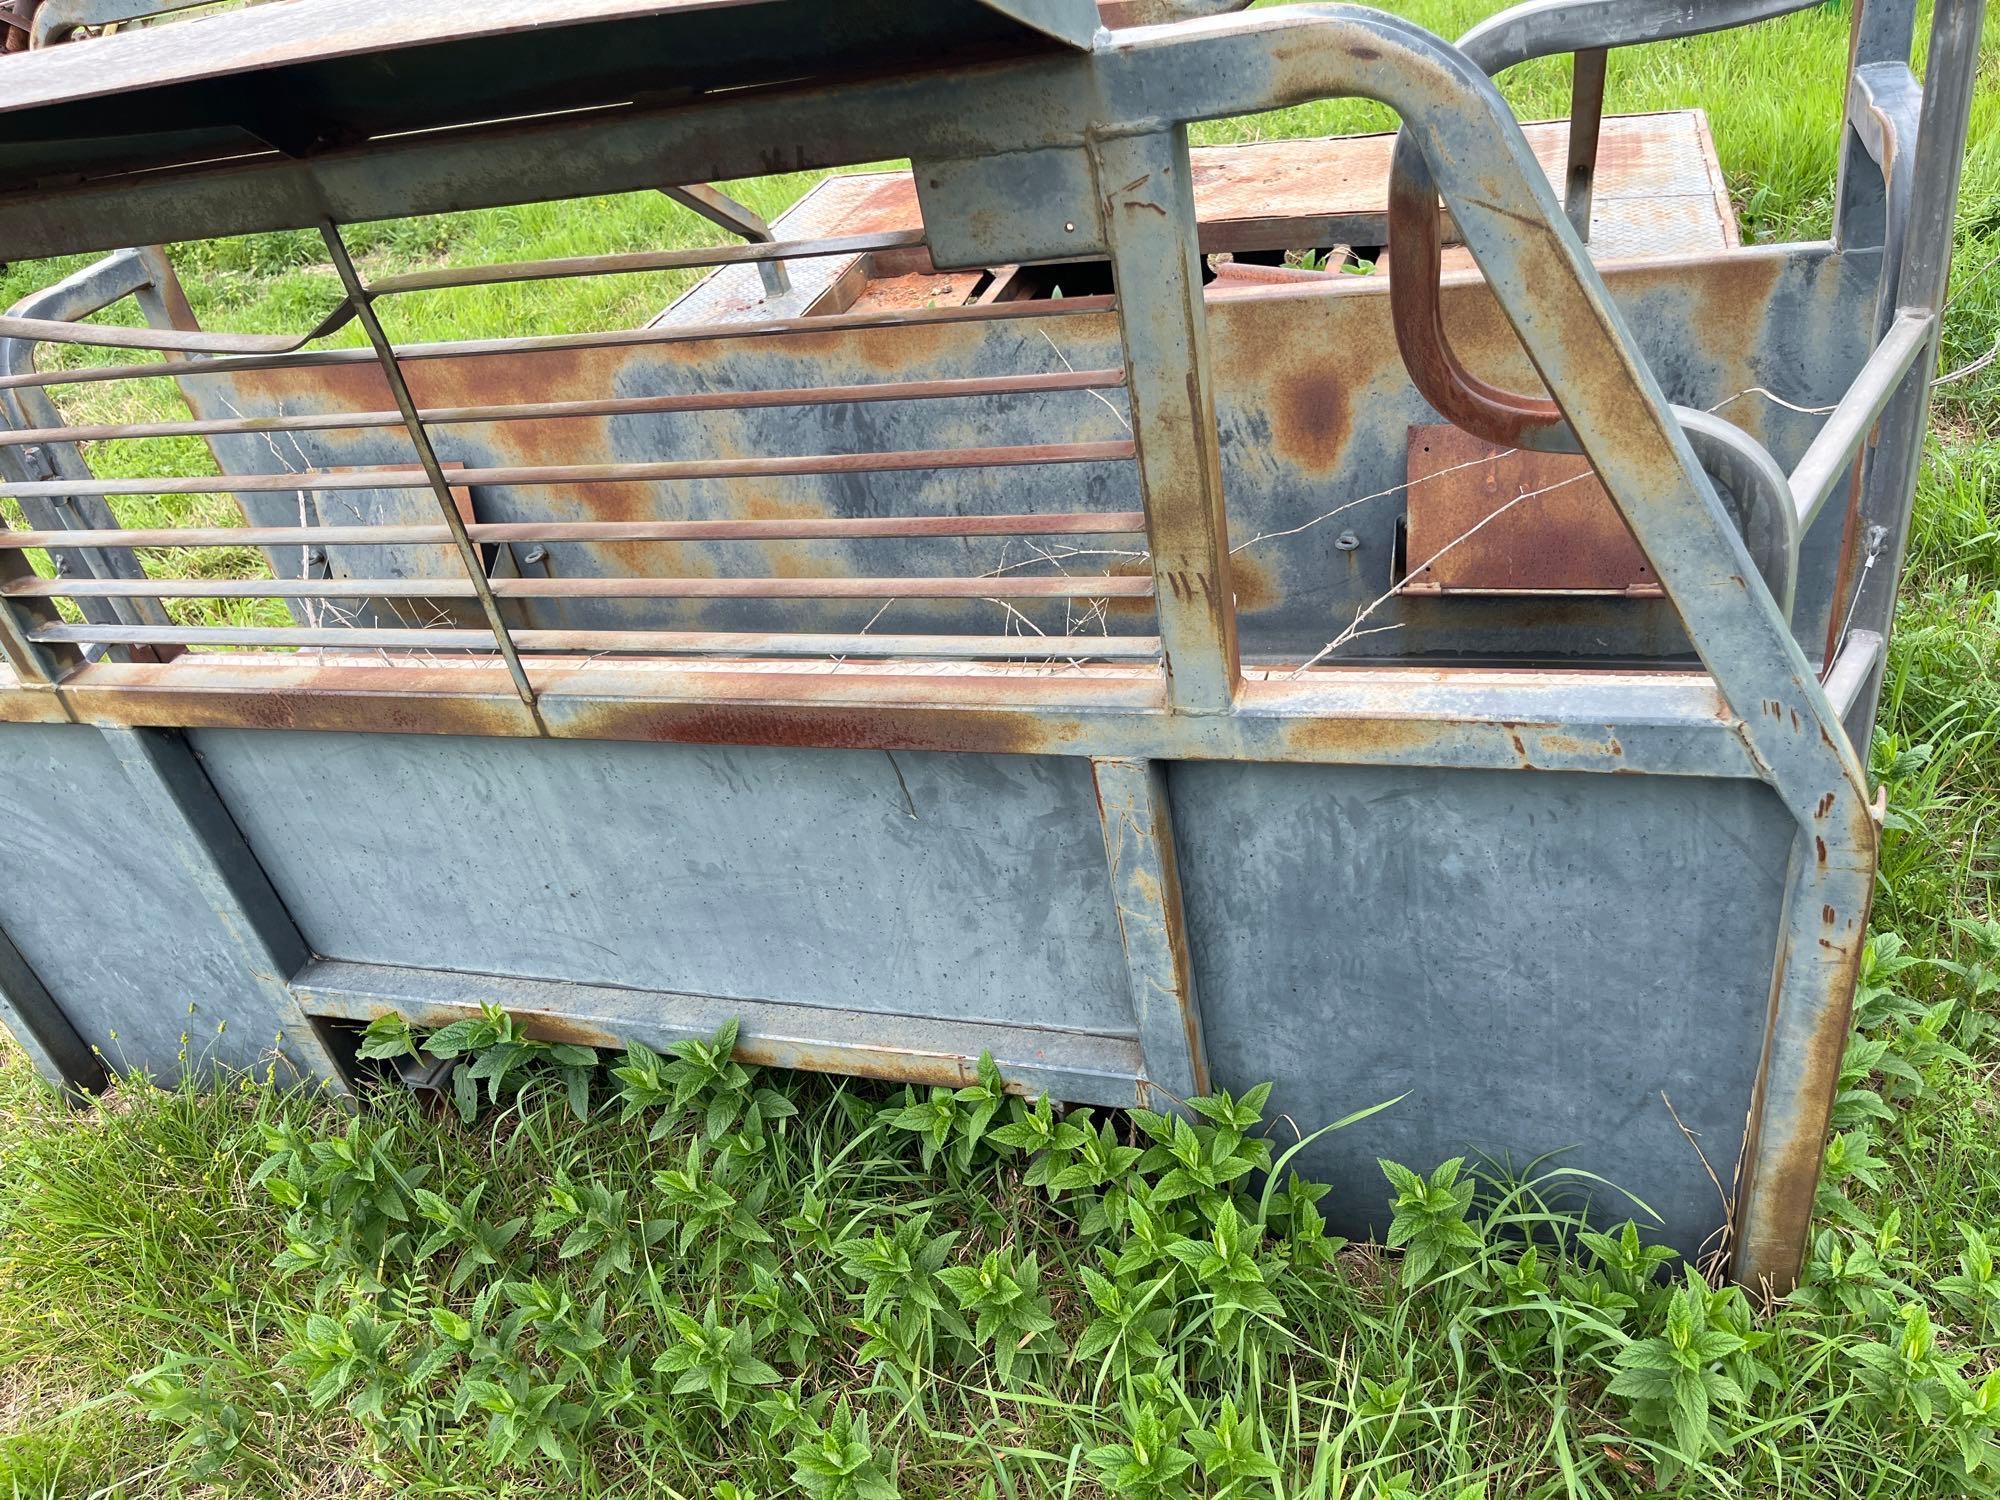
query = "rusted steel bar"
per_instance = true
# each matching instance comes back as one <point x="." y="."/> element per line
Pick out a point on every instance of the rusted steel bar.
<point x="167" y="340"/>
<point x="201" y="341"/>
<point x="805" y="528"/>
<point x="1520" y="419"/>
<point x="1148" y="193"/>
<point x="1664" y="723"/>
<point x="739" y="219"/>
<point x="468" y="550"/>
<point x="656" y="642"/>
<point x="1004" y="586"/>
<point x="1586" y="120"/>
<point x="615" y="406"/>
<point x="311" y="359"/>
<point x="633" y="473"/>
<point x="646" y="260"/>
<point x="1808" y="1033"/>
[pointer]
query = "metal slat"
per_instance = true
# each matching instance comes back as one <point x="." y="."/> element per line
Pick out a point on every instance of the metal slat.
<point x="645" y="260"/>
<point x="615" y="406"/>
<point x="842" y="528"/>
<point x="1092" y="586"/>
<point x="182" y="340"/>
<point x="654" y="642"/>
<point x="631" y="338"/>
<point x="633" y="473"/>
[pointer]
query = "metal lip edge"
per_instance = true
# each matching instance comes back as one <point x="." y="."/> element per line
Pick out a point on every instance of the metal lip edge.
<point x="1475" y="719"/>
<point x="1677" y="694"/>
<point x="312" y="33"/>
<point x="893" y="1046"/>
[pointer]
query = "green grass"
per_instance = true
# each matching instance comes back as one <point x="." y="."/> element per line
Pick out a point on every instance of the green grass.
<point x="134" y="1238"/>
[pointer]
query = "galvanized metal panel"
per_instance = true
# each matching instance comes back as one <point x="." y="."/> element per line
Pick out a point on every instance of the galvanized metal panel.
<point x="965" y="887"/>
<point x="108" y="917"/>
<point x="1534" y="961"/>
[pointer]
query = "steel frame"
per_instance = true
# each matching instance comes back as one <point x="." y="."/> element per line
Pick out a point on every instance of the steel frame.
<point x="1084" y="153"/>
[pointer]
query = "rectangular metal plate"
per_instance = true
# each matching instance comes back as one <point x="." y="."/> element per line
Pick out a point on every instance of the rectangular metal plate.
<point x="1489" y="520"/>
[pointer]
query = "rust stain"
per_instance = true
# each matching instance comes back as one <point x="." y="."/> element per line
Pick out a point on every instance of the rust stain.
<point x="1312" y="419"/>
<point x="1569" y="539"/>
<point x="827" y="727"/>
<point x="1252" y="583"/>
<point x="1132" y="607"/>
<point x="1378" y="736"/>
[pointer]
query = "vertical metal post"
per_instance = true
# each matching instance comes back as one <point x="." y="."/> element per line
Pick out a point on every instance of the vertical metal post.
<point x="1881" y="31"/>
<point x="399" y="390"/>
<point x="1147" y="198"/>
<point x="1807" y="1039"/>
<point x="1586" y="120"/>
<point x="210" y="849"/>
<point x="1890" y="486"/>
<point x="59" y="1054"/>
<point x="1145" y="886"/>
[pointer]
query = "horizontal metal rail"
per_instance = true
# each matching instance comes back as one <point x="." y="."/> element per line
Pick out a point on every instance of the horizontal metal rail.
<point x="1847" y="427"/>
<point x="625" y="338"/>
<point x="831" y="528"/>
<point x="614" y="406"/>
<point x="645" y="260"/>
<point x="1009" y="586"/>
<point x="203" y="341"/>
<point x="630" y="473"/>
<point x="652" y="642"/>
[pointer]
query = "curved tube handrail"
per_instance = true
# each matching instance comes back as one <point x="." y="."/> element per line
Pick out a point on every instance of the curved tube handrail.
<point x="1766" y="516"/>
<point x="1540" y="28"/>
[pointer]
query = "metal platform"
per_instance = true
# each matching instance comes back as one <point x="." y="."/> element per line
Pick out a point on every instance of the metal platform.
<point x="1660" y="195"/>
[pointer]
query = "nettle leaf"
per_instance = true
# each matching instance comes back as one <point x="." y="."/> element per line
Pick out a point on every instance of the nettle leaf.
<point x="388" y="1037"/>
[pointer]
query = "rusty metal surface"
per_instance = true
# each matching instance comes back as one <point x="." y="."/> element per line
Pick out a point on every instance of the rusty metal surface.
<point x="1488" y="520"/>
<point x="1294" y="444"/>
<point x="1658" y="194"/>
<point x="1272" y="478"/>
<point x="320" y="72"/>
<point x="1537" y="29"/>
